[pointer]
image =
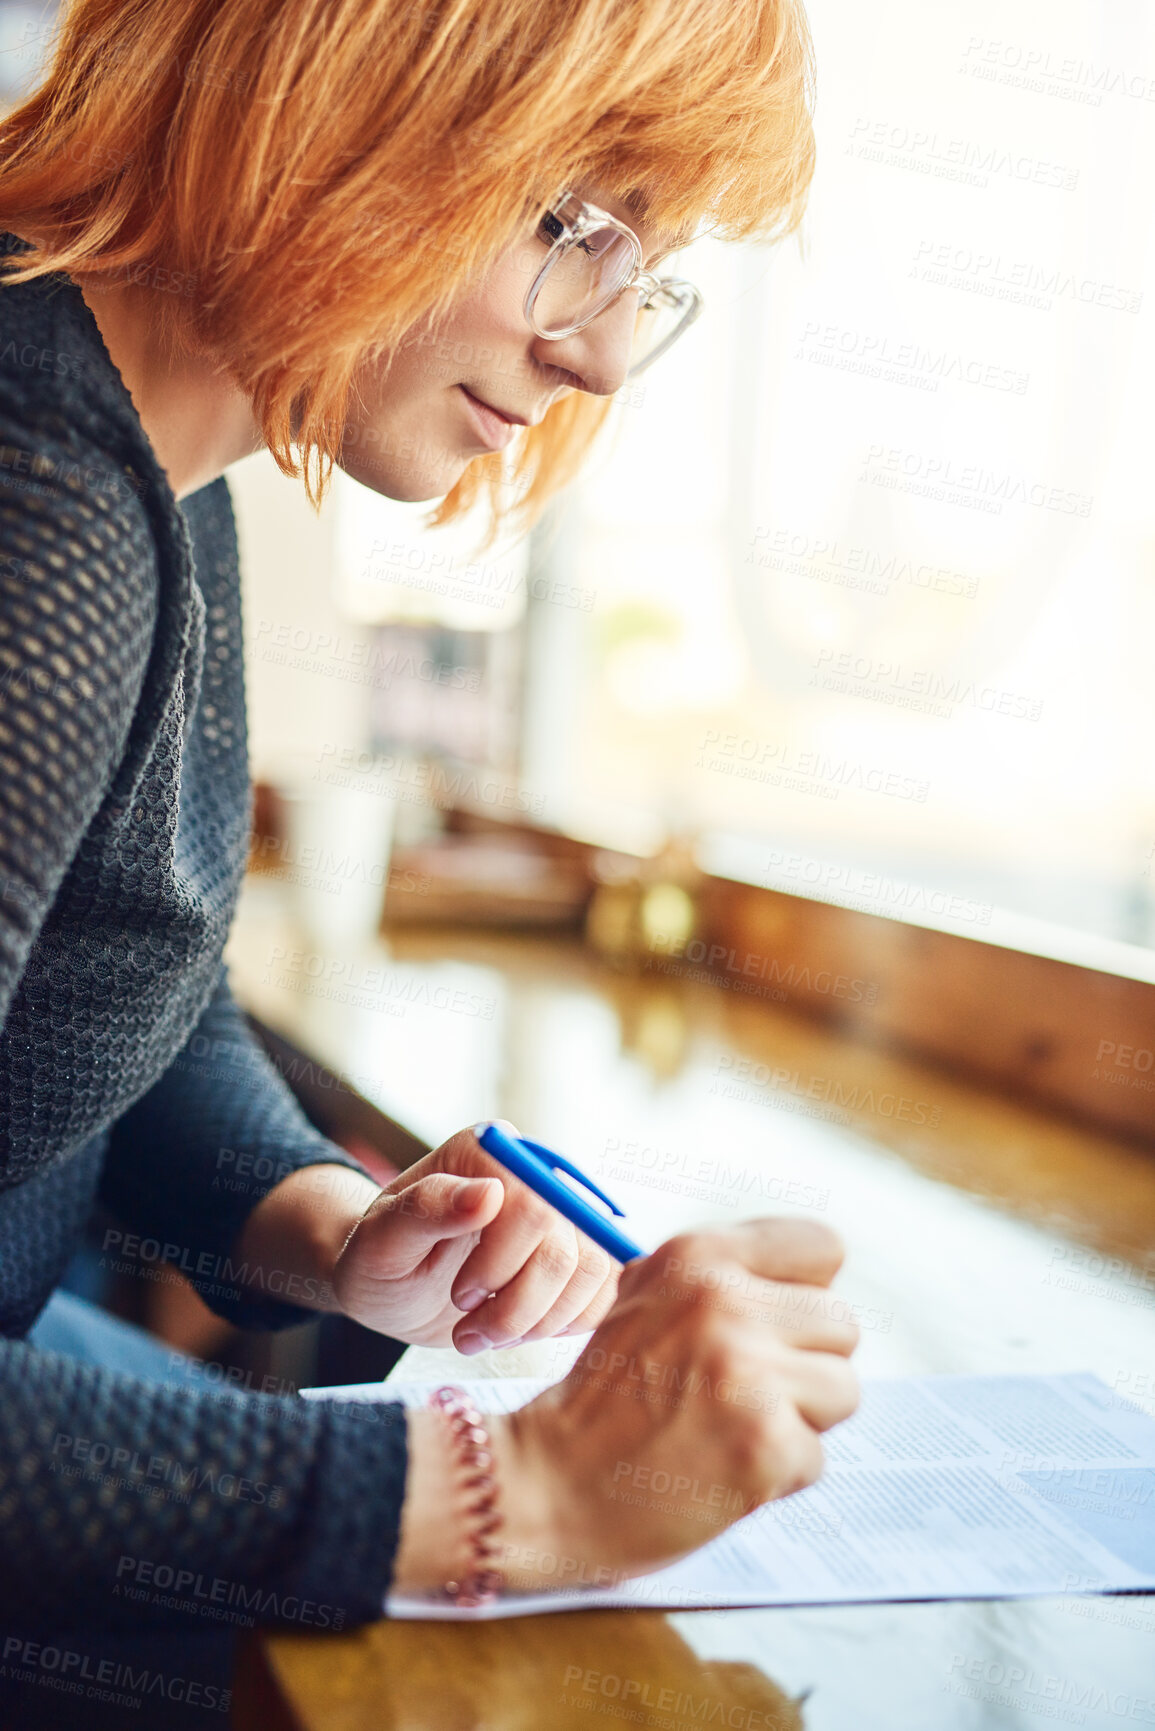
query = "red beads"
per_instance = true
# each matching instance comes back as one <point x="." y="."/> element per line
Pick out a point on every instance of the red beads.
<point x="484" y="1582"/>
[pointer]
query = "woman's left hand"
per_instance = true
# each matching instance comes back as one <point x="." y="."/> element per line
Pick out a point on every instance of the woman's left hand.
<point x="457" y="1251"/>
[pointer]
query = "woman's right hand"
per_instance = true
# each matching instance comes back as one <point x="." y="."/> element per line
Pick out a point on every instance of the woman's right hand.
<point x="702" y="1394"/>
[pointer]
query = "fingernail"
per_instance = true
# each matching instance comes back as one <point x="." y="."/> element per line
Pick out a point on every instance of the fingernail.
<point x="471" y="1343"/>
<point x="468" y="1195"/>
<point x="471" y="1299"/>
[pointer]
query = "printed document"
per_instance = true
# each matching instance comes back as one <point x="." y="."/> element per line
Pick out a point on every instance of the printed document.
<point x="939" y="1487"/>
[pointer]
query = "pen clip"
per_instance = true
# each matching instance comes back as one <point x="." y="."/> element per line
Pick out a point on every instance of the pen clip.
<point x="555" y="1160"/>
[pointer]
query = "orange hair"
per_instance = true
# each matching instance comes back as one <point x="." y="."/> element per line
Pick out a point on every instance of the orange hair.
<point x="312" y="179"/>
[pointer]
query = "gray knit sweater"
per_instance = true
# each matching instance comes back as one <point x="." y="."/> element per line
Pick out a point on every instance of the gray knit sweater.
<point x="126" y="1071"/>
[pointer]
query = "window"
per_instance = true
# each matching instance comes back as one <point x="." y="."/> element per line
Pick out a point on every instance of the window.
<point x="873" y="555"/>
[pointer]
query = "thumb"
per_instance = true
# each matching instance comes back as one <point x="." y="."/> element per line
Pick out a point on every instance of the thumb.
<point x="404" y="1225"/>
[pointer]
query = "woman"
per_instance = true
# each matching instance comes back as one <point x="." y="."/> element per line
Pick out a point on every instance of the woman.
<point x="317" y="227"/>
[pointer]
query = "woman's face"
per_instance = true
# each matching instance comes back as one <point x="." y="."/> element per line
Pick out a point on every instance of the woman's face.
<point x="420" y="421"/>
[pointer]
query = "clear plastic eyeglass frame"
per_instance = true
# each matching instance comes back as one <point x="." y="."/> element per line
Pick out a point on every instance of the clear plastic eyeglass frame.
<point x="569" y="220"/>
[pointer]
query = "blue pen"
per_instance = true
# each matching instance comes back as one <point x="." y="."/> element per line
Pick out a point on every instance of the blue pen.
<point x="536" y="1166"/>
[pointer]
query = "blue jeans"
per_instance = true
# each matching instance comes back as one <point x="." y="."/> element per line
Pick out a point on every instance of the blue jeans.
<point x="81" y="1330"/>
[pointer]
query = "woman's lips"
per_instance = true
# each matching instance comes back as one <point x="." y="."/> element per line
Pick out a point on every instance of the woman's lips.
<point x="494" y="429"/>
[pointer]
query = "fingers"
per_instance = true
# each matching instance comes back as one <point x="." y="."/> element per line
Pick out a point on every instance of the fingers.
<point x="781" y="1249"/>
<point x="526" y="1223"/>
<point x="401" y="1227"/>
<point x="825" y="1389"/>
<point x="793" y="1455"/>
<point x="788" y="1249"/>
<point x="777" y="1444"/>
<point x="719" y="1272"/>
<point x="599" y="1306"/>
<point x="531" y="1306"/>
<point x="520" y="1299"/>
<point x="808" y="1317"/>
<point x="529" y="1270"/>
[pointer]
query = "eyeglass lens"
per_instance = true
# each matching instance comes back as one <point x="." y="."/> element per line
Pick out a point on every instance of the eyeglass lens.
<point x="583" y="280"/>
<point x="660" y="318"/>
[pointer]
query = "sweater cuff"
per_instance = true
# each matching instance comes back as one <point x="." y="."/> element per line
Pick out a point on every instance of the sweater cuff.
<point x="263" y="1298"/>
<point x="353" y="1532"/>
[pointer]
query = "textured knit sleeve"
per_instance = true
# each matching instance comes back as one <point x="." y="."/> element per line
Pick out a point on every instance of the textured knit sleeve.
<point x="188" y="1163"/>
<point x="124" y="1502"/>
<point x="77" y="617"/>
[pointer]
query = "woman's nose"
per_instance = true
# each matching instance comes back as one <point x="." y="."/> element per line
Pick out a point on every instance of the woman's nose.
<point x="598" y="354"/>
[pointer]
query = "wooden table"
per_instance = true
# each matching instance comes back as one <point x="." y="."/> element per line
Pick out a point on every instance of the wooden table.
<point x="981" y="1236"/>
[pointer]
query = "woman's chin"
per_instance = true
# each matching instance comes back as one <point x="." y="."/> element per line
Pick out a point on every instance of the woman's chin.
<point x="408" y="484"/>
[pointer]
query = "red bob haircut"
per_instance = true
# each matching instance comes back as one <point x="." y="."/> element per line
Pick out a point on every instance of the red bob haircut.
<point x="312" y="177"/>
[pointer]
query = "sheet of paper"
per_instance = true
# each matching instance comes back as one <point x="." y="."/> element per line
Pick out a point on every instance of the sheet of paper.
<point x="941" y="1487"/>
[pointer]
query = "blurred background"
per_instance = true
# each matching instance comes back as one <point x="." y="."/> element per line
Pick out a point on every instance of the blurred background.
<point x="858" y="590"/>
<point x="811" y="732"/>
<point x="883" y="521"/>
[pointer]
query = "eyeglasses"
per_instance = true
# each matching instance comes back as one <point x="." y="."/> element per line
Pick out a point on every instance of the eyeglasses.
<point x="594" y="258"/>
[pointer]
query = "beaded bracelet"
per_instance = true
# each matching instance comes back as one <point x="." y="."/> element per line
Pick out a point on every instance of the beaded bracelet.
<point x="484" y="1582"/>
